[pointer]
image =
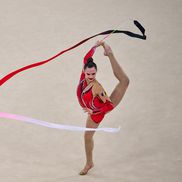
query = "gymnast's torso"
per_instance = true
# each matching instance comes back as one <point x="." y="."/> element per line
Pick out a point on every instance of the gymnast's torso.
<point x="92" y="95"/>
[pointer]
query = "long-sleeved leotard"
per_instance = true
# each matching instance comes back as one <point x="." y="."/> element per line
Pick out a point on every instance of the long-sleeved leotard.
<point x="92" y="95"/>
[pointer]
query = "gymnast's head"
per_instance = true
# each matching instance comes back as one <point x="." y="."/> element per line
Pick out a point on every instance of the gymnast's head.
<point x="90" y="69"/>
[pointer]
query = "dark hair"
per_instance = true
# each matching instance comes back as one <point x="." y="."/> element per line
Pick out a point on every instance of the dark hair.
<point x="90" y="64"/>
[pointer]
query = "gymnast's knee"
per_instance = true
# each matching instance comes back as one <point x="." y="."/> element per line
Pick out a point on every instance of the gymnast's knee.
<point x="125" y="81"/>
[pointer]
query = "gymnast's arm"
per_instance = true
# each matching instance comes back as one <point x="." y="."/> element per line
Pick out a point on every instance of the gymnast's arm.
<point x="88" y="55"/>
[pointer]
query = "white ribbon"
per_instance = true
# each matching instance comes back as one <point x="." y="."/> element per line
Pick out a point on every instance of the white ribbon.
<point x="54" y="125"/>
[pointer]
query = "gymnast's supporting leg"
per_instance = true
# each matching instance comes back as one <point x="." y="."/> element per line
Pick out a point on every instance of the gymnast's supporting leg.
<point x="120" y="89"/>
<point x="89" y="145"/>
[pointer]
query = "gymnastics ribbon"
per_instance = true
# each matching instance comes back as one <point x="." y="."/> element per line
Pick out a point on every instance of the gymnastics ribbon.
<point x="130" y="34"/>
<point x="54" y="125"/>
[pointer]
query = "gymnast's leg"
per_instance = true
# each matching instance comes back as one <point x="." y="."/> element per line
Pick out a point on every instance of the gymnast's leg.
<point x="120" y="89"/>
<point x="89" y="145"/>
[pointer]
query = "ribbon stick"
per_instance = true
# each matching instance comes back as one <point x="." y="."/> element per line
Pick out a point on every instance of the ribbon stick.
<point x="54" y="125"/>
<point x="128" y="33"/>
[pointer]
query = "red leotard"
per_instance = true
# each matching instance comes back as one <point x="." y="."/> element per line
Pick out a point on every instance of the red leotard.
<point x="92" y="95"/>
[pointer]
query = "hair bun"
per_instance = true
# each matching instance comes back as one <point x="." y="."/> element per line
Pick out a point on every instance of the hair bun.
<point x="90" y="60"/>
<point x="90" y="63"/>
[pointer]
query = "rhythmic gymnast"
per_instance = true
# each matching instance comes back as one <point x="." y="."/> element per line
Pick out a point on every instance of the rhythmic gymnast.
<point x="93" y="98"/>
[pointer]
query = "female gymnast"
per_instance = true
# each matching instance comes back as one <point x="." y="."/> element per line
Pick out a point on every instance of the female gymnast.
<point x="93" y="98"/>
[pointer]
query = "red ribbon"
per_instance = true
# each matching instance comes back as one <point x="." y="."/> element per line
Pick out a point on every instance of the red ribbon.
<point x="131" y="34"/>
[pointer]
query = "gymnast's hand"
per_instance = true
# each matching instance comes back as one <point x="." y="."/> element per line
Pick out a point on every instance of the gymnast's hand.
<point x="89" y="111"/>
<point x="107" y="48"/>
<point x="99" y="43"/>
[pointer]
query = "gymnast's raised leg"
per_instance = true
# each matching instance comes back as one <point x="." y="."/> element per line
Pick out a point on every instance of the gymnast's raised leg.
<point x="120" y="89"/>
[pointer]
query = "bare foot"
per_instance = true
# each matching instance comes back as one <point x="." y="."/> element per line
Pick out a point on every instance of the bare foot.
<point x="86" y="169"/>
<point x="107" y="49"/>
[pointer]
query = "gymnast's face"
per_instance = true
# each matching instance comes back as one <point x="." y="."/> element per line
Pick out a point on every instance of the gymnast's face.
<point x="90" y="74"/>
